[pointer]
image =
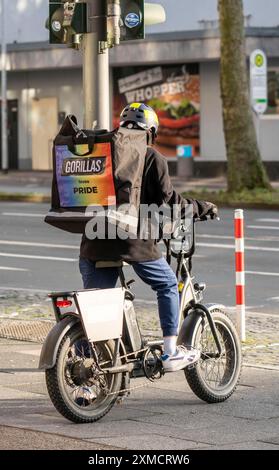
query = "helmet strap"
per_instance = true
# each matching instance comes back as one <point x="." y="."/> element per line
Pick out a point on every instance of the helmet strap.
<point x="150" y="137"/>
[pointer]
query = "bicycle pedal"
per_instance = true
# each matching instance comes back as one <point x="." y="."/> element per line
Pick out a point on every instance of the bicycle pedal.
<point x="120" y="401"/>
<point x="122" y="397"/>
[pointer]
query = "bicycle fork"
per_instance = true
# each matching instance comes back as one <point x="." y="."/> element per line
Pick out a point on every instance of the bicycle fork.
<point x="211" y="324"/>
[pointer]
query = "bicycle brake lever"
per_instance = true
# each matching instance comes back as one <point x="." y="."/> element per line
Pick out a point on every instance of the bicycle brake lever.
<point x="202" y="219"/>
<point x="129" y="283"/>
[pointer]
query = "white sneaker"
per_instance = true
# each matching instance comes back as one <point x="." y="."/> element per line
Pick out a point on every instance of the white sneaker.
<point x="182" y="358"/>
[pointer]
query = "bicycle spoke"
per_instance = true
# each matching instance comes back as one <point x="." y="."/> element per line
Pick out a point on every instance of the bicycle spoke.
<point x="80" y="388"/>
<point x="216" y="371"/>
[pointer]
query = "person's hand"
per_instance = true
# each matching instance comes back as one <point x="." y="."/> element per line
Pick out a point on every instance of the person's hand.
<point x="208" y="209"/>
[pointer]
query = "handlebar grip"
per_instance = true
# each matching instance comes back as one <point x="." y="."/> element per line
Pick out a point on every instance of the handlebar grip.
<point x="205" y="218"/>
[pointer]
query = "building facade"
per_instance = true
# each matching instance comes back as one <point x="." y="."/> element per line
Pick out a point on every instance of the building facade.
<point x="176" y="70"/>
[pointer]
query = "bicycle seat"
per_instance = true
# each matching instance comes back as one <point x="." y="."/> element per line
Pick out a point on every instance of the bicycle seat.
<point x="110" y="264"/>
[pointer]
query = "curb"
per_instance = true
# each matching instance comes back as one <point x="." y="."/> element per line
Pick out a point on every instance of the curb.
<point x="18" y="197"/>
<point x="247" y="205"/>
<point x="212" y="197"/>
<point x="41" y="198"/>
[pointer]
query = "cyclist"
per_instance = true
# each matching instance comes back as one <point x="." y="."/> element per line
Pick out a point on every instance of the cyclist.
<point x="144" y="255"/>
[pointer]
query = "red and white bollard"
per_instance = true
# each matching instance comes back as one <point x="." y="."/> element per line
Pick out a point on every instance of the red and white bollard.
<point x="240" y="273"/>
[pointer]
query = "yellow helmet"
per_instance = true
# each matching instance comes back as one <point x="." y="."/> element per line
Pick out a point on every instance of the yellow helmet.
<point x="141" y="115"/>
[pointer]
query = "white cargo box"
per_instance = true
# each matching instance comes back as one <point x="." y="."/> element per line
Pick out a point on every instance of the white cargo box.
<point x="102" y="313"/>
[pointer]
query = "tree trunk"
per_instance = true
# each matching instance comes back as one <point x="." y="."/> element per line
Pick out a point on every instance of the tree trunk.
<point x="245" y="167"/>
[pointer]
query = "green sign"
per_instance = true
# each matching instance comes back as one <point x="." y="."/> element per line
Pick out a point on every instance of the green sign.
<point x="259" y="60"/>
<point x="258" y="81"/>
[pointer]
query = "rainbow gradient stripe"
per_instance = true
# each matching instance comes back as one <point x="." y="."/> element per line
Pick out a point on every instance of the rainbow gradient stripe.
<point x="73" y="188"/>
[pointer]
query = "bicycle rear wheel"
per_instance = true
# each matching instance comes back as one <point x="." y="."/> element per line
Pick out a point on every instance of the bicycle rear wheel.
<point x="75" y="386"/>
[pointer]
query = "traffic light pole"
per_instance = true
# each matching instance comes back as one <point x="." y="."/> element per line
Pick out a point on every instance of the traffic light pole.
<point x="104" y="117"/>
<point x="4" y="116"/>
<point x="90" y="80"/>
<point x="95" y="84"/>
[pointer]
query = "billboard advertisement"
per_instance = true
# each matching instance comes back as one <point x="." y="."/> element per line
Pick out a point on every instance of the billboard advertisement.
<point x="173" y="91"/>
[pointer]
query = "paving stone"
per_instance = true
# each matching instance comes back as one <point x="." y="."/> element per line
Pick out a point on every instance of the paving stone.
<point x="38" y="388"/>
<point x="22" y="439"/>
<point x="190" y="420"/>
<point x="13" y="380"/>
<point x="8" y="393"/>
<point x="250" y="445"/>
<point x="250" y="409"/>
<point x="272" y="440"/>
<point x="154" y="442"/>
<point x="225" y="434"/>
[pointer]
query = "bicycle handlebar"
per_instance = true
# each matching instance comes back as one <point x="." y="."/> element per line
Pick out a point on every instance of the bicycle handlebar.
<point x="206" y="218"/>
<point x="189" y="253"/>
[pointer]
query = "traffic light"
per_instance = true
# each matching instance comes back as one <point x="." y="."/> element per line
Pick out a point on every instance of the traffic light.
<point x="67" y="21"/>
<point x="135" y="15"/>
<point x="113" y="20"/>
<point x="132" y="20"/>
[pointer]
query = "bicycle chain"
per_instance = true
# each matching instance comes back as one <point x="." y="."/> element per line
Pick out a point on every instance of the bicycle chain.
<point x="135" y="353"/>
<point x="147" y="384"/>
<point x="130" y="389"/>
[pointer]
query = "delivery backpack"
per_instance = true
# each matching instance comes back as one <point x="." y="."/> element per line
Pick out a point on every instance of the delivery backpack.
<point x="96" y="173"/>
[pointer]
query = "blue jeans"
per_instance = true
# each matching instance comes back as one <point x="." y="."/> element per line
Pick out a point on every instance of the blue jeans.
<point x="157" y="274"/>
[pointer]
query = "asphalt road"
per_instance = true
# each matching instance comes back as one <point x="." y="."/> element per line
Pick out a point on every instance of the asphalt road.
<point x="36" y="256"/>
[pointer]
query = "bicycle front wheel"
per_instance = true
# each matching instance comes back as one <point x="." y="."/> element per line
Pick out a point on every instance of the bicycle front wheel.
<point x="214" y="379"/>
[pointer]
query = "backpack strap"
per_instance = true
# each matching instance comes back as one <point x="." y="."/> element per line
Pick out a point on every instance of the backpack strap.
<point x="69" y="126"/>
<point x="90" y="140"/>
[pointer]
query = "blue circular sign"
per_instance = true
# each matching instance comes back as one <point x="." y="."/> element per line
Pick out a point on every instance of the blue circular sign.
<point x="132" y="20"/>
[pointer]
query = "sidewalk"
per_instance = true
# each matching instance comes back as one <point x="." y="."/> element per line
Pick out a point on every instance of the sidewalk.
<point x="26" y="182"/>
<point x="36" y="182"/>
<point x="163" y="415"/>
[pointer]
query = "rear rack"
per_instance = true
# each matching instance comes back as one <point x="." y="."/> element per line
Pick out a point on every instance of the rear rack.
<point x="54" y="295"/>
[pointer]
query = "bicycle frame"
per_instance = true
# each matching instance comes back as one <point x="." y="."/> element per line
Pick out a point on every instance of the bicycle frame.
<point x="96" y="347"/>
<point x="131" y="345"/>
